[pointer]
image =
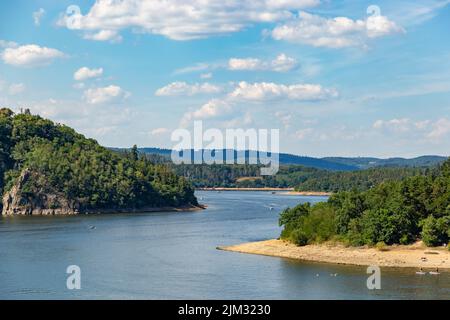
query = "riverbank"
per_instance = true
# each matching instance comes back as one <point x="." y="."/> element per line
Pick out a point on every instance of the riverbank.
<point x="245" y="189"/>
<point x="412" y="256"/>
<point x="186" y="208"/>
<point x="308" y="193"/>
<point x="283" y="191"/>
<point x="71" y="212"/>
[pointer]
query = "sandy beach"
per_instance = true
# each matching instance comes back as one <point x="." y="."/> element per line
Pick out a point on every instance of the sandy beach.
<point x="308" y="193"/>
<point x="411" y="256"/>
<point x="245" y="189"/>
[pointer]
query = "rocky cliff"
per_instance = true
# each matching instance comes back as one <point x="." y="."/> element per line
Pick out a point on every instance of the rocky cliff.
<point x="20" y="200"/>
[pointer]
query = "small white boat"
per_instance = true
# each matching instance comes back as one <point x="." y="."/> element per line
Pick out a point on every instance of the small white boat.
<point x="434" y="273"/>
<point x="421" y="273"/>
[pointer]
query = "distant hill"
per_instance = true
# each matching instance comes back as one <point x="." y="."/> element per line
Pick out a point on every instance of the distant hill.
<point x="367" y="162"/>
<point x="285" y="159"/>
<point x="336" y="163"/>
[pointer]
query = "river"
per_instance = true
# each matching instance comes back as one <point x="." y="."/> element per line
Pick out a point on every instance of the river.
<point x="173" y="256"/>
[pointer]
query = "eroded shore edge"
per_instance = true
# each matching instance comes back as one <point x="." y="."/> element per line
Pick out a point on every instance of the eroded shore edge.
<point x="412" y="256"/>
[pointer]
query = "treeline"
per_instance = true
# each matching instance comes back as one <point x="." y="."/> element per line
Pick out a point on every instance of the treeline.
<point x="94" y="177"/>
<point x="396" y="212"/>
<point x="299" y="177"/>
<point x="362" y="180"/>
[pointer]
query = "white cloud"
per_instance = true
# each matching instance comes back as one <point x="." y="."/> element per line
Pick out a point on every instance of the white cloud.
<point x="38" y="15"/>
<point x="104" y="35"/>
<point x="104" y="94"/>
<point x="183" y="19"/>
<point x="212" y="109"/>
<point x="159" y="131"/>
<point x="8" y="44"/>
<point x="30" y="55"/>
<point x="397" y="125"/>
<point x="262" y="91"/>
<point x="16" y="88"/>
<point x="440" y="129"/>
<point x="182" y="88"/>
<point x="338" y="32"/>
<point x="85" y="73"/>
<point x="257" y="92"/>
<point x="281" y="63"/>
<point x="431" y="130"/>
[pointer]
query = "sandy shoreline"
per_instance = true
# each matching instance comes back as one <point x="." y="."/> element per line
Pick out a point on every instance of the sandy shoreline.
<point x="308" y="193"/>
<point x="245" y="189"/>
<point x="411" y="256"/>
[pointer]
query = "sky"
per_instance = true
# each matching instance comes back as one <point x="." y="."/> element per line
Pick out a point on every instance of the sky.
<point x="337" y="78"/>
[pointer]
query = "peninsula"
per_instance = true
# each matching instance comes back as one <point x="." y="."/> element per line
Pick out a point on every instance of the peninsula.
<point x="49" y="169"/>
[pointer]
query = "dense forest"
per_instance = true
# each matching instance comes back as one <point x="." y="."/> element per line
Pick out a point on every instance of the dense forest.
<point x="330" y="163"/>
<point x="395" y="212"/>
<point x="59" y="160"/>
<point x="299" y="177"/>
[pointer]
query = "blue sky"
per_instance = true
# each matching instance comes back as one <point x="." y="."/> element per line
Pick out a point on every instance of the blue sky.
<point x="335" y="79"/>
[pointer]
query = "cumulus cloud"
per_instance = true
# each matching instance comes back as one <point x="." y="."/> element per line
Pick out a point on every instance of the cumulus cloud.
<point x="258" y="92"/>
<point x="85" y="73"/>
<point x="281" y="63"/>
<point x="38" y="15"/>
<point x="212" y="109"/>
<point x="104" y="94"/>
<point x="337" y="32"/>
<point x="262" y="91"/>
<point x="182" y="19"/>
<point x="183" y="88"/>
<point x="30" y="55"/>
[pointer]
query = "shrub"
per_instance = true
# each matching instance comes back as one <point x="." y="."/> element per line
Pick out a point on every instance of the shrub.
<point x="435" y="231"/>
<point x="381" y="246"/>
<point x="299" y="238"/>
<point x="305" y="224"/>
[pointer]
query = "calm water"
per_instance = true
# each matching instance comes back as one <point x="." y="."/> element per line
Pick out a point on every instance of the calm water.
<point x="173" y="256"/>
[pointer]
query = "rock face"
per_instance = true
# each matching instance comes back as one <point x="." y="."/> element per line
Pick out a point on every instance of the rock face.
<point x="39" y="202"/>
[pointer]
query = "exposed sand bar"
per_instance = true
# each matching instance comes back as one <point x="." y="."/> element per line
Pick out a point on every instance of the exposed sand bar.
<point x="412" y="256"/>
<point x="245" y="189"/>
<point x="308" y="193"/>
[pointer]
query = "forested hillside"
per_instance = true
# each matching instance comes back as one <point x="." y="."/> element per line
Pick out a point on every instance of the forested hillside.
<point x="299" y="177"/>
<point x="402" y="212"/>
<point x="46" y="161"/>
<point x="333" y="163"/>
